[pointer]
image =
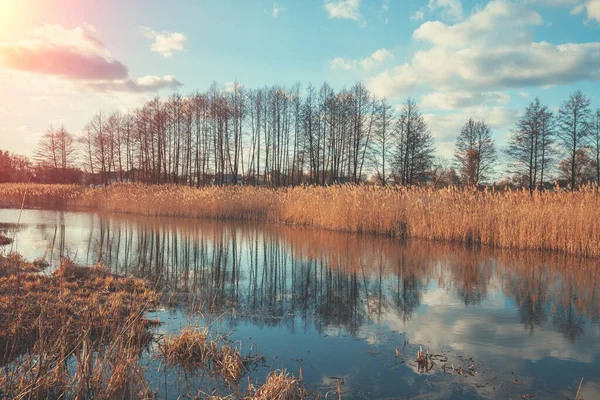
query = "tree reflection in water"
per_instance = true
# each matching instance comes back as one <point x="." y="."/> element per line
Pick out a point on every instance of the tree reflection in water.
<point x="281" y="275"/>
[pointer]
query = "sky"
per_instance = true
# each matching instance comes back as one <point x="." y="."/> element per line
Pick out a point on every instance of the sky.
<point x="63" y="60"/>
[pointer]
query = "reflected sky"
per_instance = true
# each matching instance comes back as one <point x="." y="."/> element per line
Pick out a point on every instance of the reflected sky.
<point x="350" y="306"/>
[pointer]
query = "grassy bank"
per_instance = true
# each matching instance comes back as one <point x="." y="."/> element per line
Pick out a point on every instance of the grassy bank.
<point x="556" y="221"/>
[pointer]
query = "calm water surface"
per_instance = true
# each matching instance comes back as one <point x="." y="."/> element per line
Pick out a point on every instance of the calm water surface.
<point x="348" y="307"/>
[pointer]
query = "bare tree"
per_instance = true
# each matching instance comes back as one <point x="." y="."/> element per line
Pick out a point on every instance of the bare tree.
<point x="414" y="145"/>
<point x="47" y="152"/>
<point x="530" y="145"/>
<point x="475" y="152"/>
<point x="56" y="151"/>
<point x="585" y="169"/>
<point x="594" y="131"/>
<point x="383" y="140"/>
<point x="573" y="119"/>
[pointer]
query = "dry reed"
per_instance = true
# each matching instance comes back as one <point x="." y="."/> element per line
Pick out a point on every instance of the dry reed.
<point x="192" y="349"/>
<point x="280" y="385"/>
<point x="77" y="333"/>
<point x="188" y="349"/>
<point x="551" y="220"/>
<point x="37" y="195"/>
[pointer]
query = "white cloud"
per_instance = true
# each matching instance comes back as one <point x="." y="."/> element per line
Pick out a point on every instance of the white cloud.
<point x="523" y="94"/>
<point x="396" y="82"/>
<point x="52" y="58"/>
<point x="342" y="63"/>
<point x="377" y="58"/>
<point x="385" y="6"/>
<point x="165" y="42"/>
<point x="500" y="22"/>
<point x="230" y="87"/>
<point x="446" y="127"/>
<point x="276" y="10"/>
<point x="462" y="99"/>
<point x="344" y="9"/>
<point x="54" y="50"/>
<point x="417" y="16"/>
<point x="148" y="83"/>
<point x="591" y="8"/>
<point x="89" y="27"/>
<point x="450" y="8"/>
<point x="491" y="50"/>
<point x="556" y="2"/>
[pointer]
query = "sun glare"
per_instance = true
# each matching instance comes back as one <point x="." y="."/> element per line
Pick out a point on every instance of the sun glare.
<point x="11" y="14"/>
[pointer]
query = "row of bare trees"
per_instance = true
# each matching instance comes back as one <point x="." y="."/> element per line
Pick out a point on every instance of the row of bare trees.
<point x="281" y="136"/>
<point x="565" y="144"/>
<point x="276" y="136"/>
<point x="568" y="139"/>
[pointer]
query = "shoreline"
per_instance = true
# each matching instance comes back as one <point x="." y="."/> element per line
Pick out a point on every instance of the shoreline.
<point x="561" y="222"/>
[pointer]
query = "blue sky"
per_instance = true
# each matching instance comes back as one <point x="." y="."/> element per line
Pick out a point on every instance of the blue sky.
<point x="456" y="58"/>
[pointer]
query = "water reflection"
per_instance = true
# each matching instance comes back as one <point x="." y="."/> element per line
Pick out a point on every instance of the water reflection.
<point x="341" y="280"/>
<point x="521" y="311"/>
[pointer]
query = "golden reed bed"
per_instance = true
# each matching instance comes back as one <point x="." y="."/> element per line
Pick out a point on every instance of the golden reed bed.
<point x="557" y="221"/>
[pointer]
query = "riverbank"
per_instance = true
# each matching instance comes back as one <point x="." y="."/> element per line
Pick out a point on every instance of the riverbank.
<point x="555" y="221"/>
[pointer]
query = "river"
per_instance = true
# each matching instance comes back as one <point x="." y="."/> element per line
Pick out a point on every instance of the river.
<point x="348" y="308"/>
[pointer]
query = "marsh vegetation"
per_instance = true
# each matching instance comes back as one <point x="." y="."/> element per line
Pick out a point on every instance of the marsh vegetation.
<point x="550" y="220"/>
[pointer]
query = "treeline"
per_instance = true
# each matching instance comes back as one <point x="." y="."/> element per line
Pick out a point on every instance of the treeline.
<point x="272" y="136"/>
<point x="285" y="136"/>
<point x="18" y="168"/>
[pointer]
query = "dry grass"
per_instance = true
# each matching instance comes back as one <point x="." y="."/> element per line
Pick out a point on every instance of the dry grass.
<point x="189" y="349"/>
<point x="75" y="334"/>
<point x="279" y="385"/>
<point x="192" y="349"/>
<point x="557" y="221"/>
<point x="14" y="195"/>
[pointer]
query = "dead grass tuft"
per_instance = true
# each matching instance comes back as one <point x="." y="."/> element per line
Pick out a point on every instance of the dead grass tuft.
<point x="189" y="349"/>
<point x="192" y="349"/>
<point x="280" y="385"/>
